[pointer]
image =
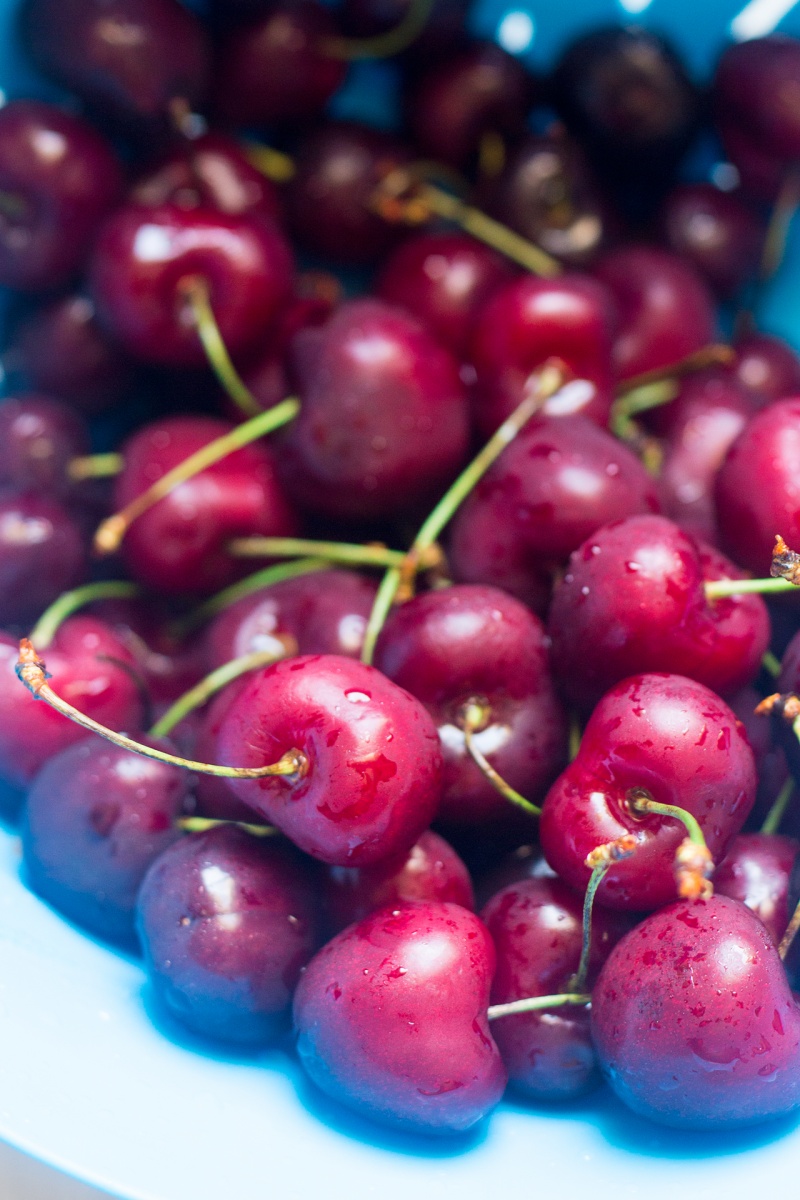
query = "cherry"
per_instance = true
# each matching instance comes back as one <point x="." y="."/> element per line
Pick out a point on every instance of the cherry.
<point x="464" y="95"/>
<point x="338" y="168"/>
<point x="767" y="366"/>
<point x="215" y="798"/>
<point x="383" y="419"/>
<point x="179" y="545"/>
<point x="757" y="488"/>
<point x="38" y="437"/>
<point x="536" y="926"/>
<point x="430" y="870"/>
<point x="666" y="310"/>
<point x="770" y="759"/>
<point x="754" y="90"/>
<point x="525" y="862"/>
<point x="56" y="175"/>
<point x="326" y="613"/>
<point x="476" y="645"/>
<point x="443" y="279"/>
<point x="139" y="64"/>
<point x="144" y="255"/>
<point x="693" y="1019"/>
<point x="95" y="819"/>
<point x="529" y="321"/>
<point x="443" y="29"/>
<point x="168" y="665"/>
<point x="716" y="231"/>
<point x="92" y="668"/>
<point x="277" y="68"/>
<point x="41" y="554"/>
<point x="762" y="174"/>
<point x="391" y="1018"/>
<point x="760" y="870"/>
<point x="371" y="779"/>
<point x="673" y="737"/>
<point x="226" y="923"/>
<point x="559" y="481"/>
<point x="632" y="600"/>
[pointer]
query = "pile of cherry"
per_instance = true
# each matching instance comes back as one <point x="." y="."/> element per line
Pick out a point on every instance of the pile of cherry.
<point x="560" y="670"/>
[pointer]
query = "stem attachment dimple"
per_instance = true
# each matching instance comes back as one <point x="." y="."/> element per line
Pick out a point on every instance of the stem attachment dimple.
<point x="693" y="865"/>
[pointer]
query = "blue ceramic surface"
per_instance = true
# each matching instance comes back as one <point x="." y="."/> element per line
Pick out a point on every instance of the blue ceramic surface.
<point x="90" y="1084"/>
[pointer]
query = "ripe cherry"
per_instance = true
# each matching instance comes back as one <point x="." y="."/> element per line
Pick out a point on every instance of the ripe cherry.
<point x="768" y="367"/>
<point x="42" y="554"/>
<point x="761" y="870"/>
<point x="716" y="231"/>
<point x="39" y="435"/>
<point x="753" y="90"/>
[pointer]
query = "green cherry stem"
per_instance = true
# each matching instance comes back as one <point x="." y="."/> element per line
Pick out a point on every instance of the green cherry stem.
<point x="600" y="860"/>
<point x="339" y="552"/>
<point x="94" y="466"/>
<point x="537" y="1003"/>
<point x="194" y="290"/>
<point x="789" y="935"/>
<point x="245" y="587"/>
<point x="203" y="824"/>
<point x="383" y="45"/>
<point x="474" y="717"/>
<point x="717" y="589"/>
<point x="639" y="400"/>
<point x="714" y="355"/>
<point x="110" y="532"/>
<point x="776" y="813"/>
<point x="68" y="603"/>
<point x="693" y="862"/>
<point x="771" y="664"/>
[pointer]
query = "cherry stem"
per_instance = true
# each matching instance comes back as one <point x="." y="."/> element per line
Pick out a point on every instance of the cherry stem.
<point x="374" y="555"/>
<point x="780" y="220"/>
<point x="789" y="935"/>
<point x="641" y="801"/>
<point x="537" y="1003"/>
<point x="776" y="813"/>
<point x="68" y="603"/>
<point x="32" y="673"/>
<point x="718" y="589"/>
<point x="245" y="587"/>
<point x="272" y="163"/>
<point x="194" y="290"/>
<point x="693" y="862"/>
<point x="203" y="824"/>
<point x="575" y="735"/>
<point x="714" y="355"/>
<point x="383" y="45"/>
<point x="641" y="399"/>
<point x="216" y="680"/>
<point x="111" y="531"/>
<point x="475" y="716"/>
<point x="600" y="860"/>
<point x="94" y="466"/>
<point x="549" y="380"/>
<point x="771" y="664"/>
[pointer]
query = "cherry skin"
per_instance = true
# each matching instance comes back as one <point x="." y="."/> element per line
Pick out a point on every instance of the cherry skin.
<point x="443" y="279"/>
<point x="38" y="437"/>
<point x="532" y="320"/>
<point x="694" y="1022"/>
<point x="760" y="870"/>
<point x="42" y="554"/>
<point x="430" y="870"/>
<point x="477" y="644"/>
<point x="90" y="667"/>
<point x="754" y="89"/>
<point x="276" y="69"/>
<point x="58" y="179"/>
<point x="537" y="929"/>
<point x="757" y="489"/>
<point x="227" y="922"/>
<point x="632" y="600"/>
<point x="716" y="231"/>
<point x="214" y="795"/>
<point x="138" y="64"/>
<point x="383" y="423"/>
<point x="391" y="1019"/>
<point x="325" y="612"/>
<point x="666" y="310"/>
<point x="372" y="775"/>
<point x="143" y="256"/>
<point x="673" y="737"/>
<point x="558" y="481"/>
<point x="767" y="367"/>
<point x="95" y="819"/>
<point x="179" y="546"/>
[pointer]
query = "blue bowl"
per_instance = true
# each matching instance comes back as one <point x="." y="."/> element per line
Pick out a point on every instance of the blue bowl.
<point x="94" y="1084"/>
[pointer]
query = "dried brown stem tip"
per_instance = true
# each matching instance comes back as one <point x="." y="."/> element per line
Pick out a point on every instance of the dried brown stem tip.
<point x="694" y="867"/>
<point x="30" y="668"/>
<point x="785" y="562"/>
<point x="611" y="852"/>
<point x="785" y="705"/>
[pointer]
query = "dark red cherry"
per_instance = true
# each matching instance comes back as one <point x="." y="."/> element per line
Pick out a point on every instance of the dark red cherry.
<point x="464" y="95"/>
<point x="95" y="819"/>
<point x="383" y="423"/>
<point x="325" y="612"/>
<point x="142" y="257"/>
<point x="559" y="481"/>
<point x="768" y="367"/>
<point x="532" y="320"/>
<point x="329" y="200"/>
<point x="277" y="68"/>
<point x="632" y="600"/>
<point x="179" y="546"/>
<point x="168" y="665"/>
<point x="759" y="869"/>
<point x="215" y="797"/>
<point x="673" y="737"/>
<point x="757" y="488"/>
<point x="430" y="870"/>
<point x="391" y="1018"/>
<point x="141" y="64"/>
<point x="372" y="777"/>
<point x="716" y="231"/>
<point x="227" y="923"/>
<point x="58" y="179"/>
<point x="666" y="310"/>
<point x="38" y="437"/>
<point x="443" y="279"/>
<point x="91" y="668"/>
<point x="754" y="90"/>
<point x="468" y="643"/>
<point x="537" y="929"/>
<point x="694" y="1022"/>
<point x="42" y="554"/>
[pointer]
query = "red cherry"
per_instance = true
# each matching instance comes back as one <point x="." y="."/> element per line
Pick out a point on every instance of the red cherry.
<point x="673" y="737"/>
<point x="716" y="231"/>
<point x="391" y="1018"/>
<point x="694" y="1022"/>
<point x="372" y="778"/>
<point x="754" y="91"/>
<point x="768" y="367"/>
<point x="42" y="554"/>
<point x="168" y="666"/>
<point x="38" y="437"/>
<point x="759" y="870"/>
